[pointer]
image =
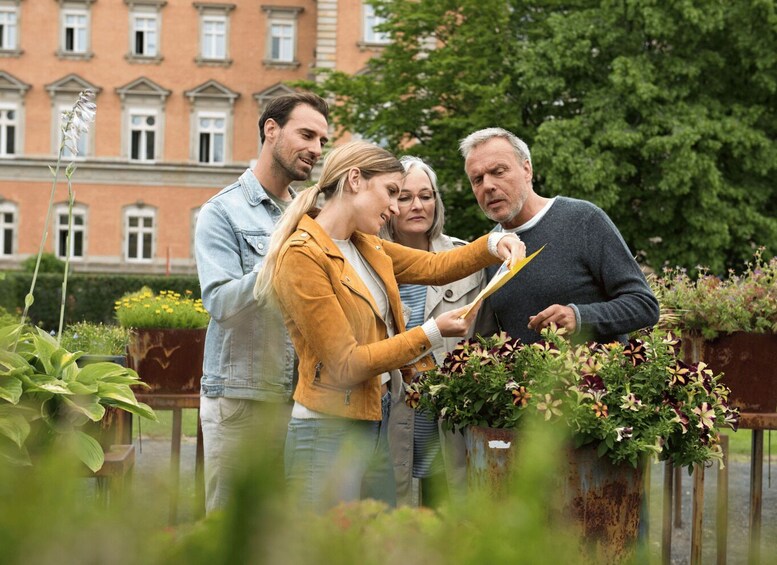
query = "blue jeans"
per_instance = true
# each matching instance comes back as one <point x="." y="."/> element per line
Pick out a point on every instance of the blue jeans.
<point x="333" y="460"/>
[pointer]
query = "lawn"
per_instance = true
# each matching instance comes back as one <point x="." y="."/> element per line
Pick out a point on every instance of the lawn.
<point x="739" y="443"/>
<point x="164" y="427"/>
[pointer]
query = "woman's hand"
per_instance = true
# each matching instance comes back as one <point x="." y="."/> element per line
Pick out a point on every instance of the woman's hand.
<point x="451" y="324"/>
<point x="511" y="249"/>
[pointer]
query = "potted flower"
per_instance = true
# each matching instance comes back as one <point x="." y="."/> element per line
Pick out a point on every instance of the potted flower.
<point x="167" y="339"/>
<point x="618" y="402"/>
<point x="731" y="324"/>
<point x="47" y="400"/>
<point x="98" y="341"/>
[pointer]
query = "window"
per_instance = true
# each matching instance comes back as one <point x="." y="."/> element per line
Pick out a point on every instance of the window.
<point x="211" y="129"/>
<point x="371" y="21"/>
<point x="281" y="35"/>
<point x="144" y="35"/>
<point x="8" y="219"/>
<point x="143" y="125"/>
<point x="8" y="127"/>
<point x="78" y="232"/>
<point x="214" y="37"/>
<point x="8" y="28"/>
<point x="282" y="42"/>
<point x="75" y="31"/>
<point x="139" y="227"/>
<point x="83" y="138"/>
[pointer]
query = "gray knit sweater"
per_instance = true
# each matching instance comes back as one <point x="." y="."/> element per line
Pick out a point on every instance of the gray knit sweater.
<point x="585" y="264"/>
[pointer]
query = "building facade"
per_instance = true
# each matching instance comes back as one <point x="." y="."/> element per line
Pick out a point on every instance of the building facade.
<point x="179" y="87"/>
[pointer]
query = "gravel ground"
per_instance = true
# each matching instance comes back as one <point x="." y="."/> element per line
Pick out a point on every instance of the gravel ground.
<point x="152" y="471"/>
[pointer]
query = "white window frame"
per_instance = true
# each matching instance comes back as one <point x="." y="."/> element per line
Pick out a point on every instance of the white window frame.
<point x="83" y="139"/>
<point x="143" y="113"/>
<point x="150" y="28"/>
<point x="77" y="48"/>
<point x="282" y="36"/>
<point x="9" y="33"/>
<point x="213" y="131"/>
<point x="140" y="231"/>
<point x="369" y="21"/>
<point x="282" y="41"/>
<point x="79" y="210"/>
<point x="209" y="43"/>
<point x="7" y="207"/>
<point x="5" y="122"/>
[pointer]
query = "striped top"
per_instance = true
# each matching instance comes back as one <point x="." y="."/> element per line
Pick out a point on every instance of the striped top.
<point x="414" y="297"/>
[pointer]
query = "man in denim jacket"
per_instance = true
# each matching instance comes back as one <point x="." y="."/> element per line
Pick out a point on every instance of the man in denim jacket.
<point x="247" y="372"/>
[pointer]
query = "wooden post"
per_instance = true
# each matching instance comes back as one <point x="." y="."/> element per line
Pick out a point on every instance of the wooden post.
<point x="756" y="489"/>
<point x="697" y="516"/>
<point x="666" y="522"/>
<point x="175" y="465"/>
<point x="678" y="497"/>
<point x="721" y="519"/>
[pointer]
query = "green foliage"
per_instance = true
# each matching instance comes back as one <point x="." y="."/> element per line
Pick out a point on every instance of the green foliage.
<point x="46" y="399"/>
<point x="664" y="114"/>
<point x="96" y="339"/>
<point x="6" y="318"/>
<point x="627" y="400"/>
<point x="90" y="297"/>
<point x="168" y="309"/>
<point x="49" y="263"/>
<point x="710" y="306"/>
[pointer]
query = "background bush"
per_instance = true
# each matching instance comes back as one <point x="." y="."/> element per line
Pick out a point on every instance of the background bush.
<point x="90" y="297"/>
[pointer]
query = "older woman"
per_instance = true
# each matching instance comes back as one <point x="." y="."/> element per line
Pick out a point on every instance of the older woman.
<point x="336" y="285"/>
<point x="419" y="225"/>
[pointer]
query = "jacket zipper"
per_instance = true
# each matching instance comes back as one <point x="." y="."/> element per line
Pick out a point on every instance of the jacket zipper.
<point x="317" y="382"/>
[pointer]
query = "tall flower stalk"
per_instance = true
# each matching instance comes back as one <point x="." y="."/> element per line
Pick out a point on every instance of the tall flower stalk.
<point x="75" y="124"/>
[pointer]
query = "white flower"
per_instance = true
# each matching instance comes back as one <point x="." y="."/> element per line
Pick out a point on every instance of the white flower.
<point x="78" y="119"/>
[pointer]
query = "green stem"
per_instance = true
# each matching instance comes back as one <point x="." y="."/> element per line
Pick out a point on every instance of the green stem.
<point x="70" y="200"/>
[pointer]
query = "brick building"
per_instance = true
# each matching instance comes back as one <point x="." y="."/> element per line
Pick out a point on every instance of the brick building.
<point x="180" y="85"/>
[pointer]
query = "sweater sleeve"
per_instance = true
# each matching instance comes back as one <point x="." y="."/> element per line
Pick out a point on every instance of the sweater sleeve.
<point x="631" y="304"/>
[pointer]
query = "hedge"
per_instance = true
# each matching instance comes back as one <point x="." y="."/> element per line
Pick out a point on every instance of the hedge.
<point x="90" y="297"/>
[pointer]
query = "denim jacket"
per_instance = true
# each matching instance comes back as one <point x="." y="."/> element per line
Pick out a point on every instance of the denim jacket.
<point x="248" y="353"/>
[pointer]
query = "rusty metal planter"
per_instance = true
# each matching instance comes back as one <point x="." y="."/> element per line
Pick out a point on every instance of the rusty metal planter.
<point x="603" y="500"/>
<point x="749" y="364"/>
<point x="168" y="360"/>
<point x="489" y="455"/>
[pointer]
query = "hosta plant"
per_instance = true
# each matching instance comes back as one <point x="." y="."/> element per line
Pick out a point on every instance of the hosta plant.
<point x="47" y="400"/>
<point x="628" y="400"/>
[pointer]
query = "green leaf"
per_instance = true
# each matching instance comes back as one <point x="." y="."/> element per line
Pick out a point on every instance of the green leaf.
<point x="80" y="388"/>
<point x="14" y="426"/>
<point x="9" y="335"/>
<point x="601" y="449"/>
<point x="46" y="383"/>
<point x="28" y="300"/>
<point x="139" y="408"/>
<point x="106" y="372"/>
<point x="14" y="454"/>
<point x="11" y="389"/>
<point x="89" y="406"/>
<point x="88" y="450"/>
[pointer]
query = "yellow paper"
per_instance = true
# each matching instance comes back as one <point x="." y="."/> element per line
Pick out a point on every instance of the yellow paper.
<point x="499" y="280"/>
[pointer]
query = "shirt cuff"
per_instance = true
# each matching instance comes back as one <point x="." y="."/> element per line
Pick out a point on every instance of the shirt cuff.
<point x="433" y="334"/>
<point x="494" y="238"/>
<point x="577" y="318"/>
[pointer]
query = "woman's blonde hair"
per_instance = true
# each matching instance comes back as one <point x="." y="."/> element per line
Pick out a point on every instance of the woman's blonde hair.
<point x="371" y="161"/>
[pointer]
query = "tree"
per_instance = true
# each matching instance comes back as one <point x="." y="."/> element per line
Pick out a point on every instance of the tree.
<point x="662" y="113"/>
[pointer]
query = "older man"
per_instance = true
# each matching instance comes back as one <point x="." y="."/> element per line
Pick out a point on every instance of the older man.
<point x="247" y="373"/>
<point x="586" y="280"/>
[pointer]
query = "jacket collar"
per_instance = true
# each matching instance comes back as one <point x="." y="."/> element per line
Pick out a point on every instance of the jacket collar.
<point x="253" y="190"/>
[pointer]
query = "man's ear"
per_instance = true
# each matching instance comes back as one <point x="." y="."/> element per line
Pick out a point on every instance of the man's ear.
<point x="528" y="171"/>
<point x="271" y="129"/>
<point x="354" y="177"/>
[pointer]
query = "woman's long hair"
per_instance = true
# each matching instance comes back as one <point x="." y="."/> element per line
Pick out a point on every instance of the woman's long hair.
<point x="370" y="159"/>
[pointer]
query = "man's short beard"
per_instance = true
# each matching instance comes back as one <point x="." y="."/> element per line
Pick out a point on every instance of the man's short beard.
<point x="287" y="168"/>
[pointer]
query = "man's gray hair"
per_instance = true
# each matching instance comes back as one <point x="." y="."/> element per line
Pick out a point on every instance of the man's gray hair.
<point x="481" y="136"/>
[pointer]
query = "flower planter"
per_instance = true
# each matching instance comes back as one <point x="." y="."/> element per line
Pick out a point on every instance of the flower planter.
<point x="168" y="360"/>
<point x="489" y="455"/>
<point x="749" y="364"/>
<point x="603" y="500"/>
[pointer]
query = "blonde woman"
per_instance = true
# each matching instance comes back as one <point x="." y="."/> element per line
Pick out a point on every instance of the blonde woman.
<point x="336" y="284"/>
<point x="418" y="446"/>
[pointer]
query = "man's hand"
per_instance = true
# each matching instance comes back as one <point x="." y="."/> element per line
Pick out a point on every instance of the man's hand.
<point x="562" y="316"/>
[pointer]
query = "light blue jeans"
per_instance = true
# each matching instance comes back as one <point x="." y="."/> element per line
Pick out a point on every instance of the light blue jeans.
<point x="333" y="460"/>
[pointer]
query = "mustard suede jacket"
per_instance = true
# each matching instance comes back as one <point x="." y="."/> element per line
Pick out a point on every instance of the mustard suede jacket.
<point x="337" y="331"/>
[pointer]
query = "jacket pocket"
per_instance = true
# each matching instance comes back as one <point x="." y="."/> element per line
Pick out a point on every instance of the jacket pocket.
<point x="253" y="248"/>
<point x="345" y="391"/>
